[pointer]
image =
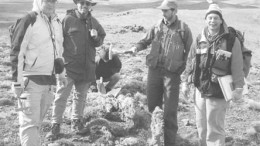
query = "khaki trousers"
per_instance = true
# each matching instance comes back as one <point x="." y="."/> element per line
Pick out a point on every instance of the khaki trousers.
<point x="210" y="120"/>
<point x="78" y="100"/>
<point x="37" y="99"/>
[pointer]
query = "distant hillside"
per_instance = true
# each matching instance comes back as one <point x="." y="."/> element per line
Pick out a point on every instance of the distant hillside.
<point x="195" y="3"/>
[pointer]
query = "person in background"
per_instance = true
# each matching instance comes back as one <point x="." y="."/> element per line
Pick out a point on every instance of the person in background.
<point x="206" y="63"/>
<point x="82" y="34"/>
<point x="170" y="41"/>
<point x="33" y="67"/>
<point x="108" y="68"/>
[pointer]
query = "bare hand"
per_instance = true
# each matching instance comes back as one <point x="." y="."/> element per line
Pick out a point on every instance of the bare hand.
<point x="237" y="95"/>
<point x="134" y="50"/>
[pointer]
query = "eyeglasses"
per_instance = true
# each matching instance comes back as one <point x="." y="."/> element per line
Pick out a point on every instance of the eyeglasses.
<point x="85" y="3"/>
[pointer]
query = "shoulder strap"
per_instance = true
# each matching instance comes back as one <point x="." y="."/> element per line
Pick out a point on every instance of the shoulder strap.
<point x="198" y="39"/>
<point x="231" y="38"/>
<point x="181" y="31"/>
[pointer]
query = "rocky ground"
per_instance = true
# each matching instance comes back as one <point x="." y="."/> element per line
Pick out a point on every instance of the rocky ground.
<point x="124" y="120"/>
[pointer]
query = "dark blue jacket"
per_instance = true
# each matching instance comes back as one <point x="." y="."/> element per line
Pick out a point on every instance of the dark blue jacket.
<point x="79" y="46"/>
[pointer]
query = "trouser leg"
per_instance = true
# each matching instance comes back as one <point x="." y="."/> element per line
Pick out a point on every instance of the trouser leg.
<point x="216" y="111"/>
<point x="46" y="102"/>
<point x="154" y="89"/>
<point x="31" y="118"/>
<point x="79" y="99"/>
<point x="60" y="101"/>
<point x="201" y="118"/>
<point x="112" y="81"/>
<point x="171" y="99"/>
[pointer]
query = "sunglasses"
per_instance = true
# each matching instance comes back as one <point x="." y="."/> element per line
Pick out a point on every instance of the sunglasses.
<point x="85" y="3"/>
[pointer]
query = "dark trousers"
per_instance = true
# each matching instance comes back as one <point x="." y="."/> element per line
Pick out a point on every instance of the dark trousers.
<point x="163" y="90"/>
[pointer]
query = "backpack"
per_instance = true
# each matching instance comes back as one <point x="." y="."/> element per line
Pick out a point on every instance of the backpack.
<point x="30" y="18"/>
<point x="17" y="32"/>
<point x="247" y="54"/>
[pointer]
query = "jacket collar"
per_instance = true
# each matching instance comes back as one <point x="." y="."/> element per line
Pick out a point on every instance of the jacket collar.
<point x="82" y="17"/>
<point x="75" y="13"/>
<point x="169" y="23"/>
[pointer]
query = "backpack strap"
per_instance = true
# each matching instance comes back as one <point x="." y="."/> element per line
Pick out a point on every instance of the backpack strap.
<point x="182" y="30"/>
<point x="231" y="38"/>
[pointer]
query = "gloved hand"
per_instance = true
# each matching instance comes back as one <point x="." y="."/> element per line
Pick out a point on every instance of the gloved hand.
<point x="93" y="33"/>
<point x="237" y="95"/>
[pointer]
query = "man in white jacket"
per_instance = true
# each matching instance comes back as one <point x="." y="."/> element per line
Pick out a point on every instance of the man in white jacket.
<point x="33" y="51"/>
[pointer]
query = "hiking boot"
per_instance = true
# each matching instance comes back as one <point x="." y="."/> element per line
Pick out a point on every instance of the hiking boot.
<point x="54" y="133"/>
<point x="76" y="126"/>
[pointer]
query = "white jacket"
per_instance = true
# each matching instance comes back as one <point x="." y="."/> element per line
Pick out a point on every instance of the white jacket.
<point x="36" y="56"/>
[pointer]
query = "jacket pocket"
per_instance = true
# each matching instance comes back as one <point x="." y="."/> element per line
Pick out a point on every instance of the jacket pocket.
<point x="176" y="66"/>
<point x="174" y="61"/>
<point x="73" y="31"/>
<point x="151" y="60"/>
<point x="34" y="62"/>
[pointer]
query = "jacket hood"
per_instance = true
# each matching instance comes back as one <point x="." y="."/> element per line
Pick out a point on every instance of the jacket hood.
<point x="37" y="5"/>
<point x="75" y="13"/>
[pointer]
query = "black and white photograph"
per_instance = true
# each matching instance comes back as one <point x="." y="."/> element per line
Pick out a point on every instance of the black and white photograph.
<point x="129" y="72"/>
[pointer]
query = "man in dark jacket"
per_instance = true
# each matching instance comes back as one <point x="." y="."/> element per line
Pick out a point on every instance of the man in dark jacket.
<point x="82" y="33"/>
<point x="108" y="68"/>
<point x="170" y="41"/>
